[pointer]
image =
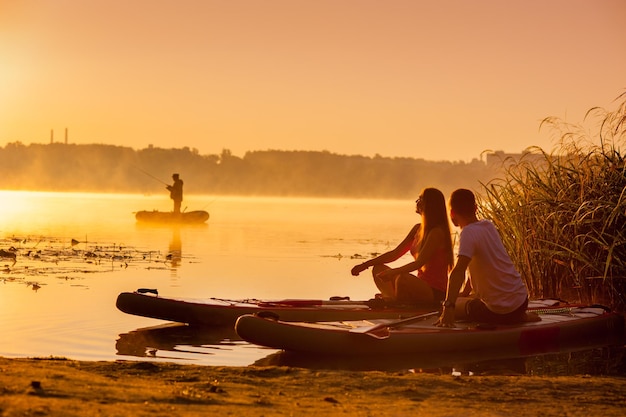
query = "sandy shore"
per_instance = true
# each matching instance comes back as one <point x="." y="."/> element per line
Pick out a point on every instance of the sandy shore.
<point x="60" y="387"/>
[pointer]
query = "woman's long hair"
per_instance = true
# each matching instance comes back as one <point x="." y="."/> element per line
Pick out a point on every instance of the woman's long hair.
<point x="434" y="214"/>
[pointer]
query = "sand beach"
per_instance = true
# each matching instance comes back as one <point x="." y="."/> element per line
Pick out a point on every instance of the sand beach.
<point x="62" y="387"/>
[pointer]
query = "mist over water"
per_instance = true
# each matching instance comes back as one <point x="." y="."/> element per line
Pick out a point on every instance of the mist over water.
<point x="77" y="251"/>
<point x="56" y="300"/>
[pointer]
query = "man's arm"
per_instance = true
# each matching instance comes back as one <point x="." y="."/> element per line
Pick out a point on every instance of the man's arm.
<point x="455" y="282"/>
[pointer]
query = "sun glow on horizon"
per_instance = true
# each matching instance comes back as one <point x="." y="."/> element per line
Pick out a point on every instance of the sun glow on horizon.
<point x="413" y="79"/>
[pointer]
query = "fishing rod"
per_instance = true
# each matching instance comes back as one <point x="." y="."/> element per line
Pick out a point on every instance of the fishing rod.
<point x="151" y="176"/>
<point x="208" y="204"/>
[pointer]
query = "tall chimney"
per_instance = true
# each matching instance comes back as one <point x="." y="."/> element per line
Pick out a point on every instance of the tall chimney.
<point x="66" y="135"/>
<point x="51" y="135"/>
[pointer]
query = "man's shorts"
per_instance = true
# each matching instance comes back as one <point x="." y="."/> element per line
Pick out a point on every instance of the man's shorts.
<point x="477" y="311"/>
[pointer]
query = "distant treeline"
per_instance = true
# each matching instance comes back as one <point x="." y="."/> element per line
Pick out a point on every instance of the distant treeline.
<point x="118" y="169"/>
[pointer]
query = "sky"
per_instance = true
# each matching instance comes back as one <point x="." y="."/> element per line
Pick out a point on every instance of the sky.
<point x="437" y="79"/>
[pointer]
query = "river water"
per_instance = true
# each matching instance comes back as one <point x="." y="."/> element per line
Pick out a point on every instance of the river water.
<point x="62" y="303"/>
<point x="58" y="298"/>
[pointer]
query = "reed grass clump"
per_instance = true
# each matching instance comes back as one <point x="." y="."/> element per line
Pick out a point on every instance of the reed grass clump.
<point x="562" y="215"/>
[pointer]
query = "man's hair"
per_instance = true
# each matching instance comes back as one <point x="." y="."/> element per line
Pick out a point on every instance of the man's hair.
<point x="463" y="202"/>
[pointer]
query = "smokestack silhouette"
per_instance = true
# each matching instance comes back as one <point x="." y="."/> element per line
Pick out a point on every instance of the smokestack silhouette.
<point x="51" y="135"/>
<point x="66" y="135"/>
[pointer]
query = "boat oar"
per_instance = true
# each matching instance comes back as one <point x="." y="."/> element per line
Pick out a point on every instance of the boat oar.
<point x="371" y="330"/>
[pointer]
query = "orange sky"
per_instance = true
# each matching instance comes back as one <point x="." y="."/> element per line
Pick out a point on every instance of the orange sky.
<point x="439" y="79"/>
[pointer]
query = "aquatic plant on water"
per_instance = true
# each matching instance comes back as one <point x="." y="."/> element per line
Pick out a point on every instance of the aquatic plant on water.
<point x="562" y="215"/>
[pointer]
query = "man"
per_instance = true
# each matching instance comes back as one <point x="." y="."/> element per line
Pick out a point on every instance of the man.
<point x="176" y="192"/>
<point x="499" y="294"/>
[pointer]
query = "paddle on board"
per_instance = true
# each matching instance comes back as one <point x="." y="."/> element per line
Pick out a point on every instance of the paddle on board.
<point x="371" y="330"/>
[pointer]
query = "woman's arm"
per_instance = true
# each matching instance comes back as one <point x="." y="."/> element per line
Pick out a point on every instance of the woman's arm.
<point x="391" y="255"/>
<point x="434" y="240"/>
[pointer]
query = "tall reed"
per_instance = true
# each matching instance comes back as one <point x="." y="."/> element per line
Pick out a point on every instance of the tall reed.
<point x="562" y="215"/>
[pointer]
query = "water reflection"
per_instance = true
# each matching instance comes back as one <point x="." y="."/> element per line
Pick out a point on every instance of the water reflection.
<point x="432" y="363"/>
<point x="178" y="342"/>
<point x="173" y="337"/>
<point x="175" y="252"/>
<point x="158" y="232"/>
<point x="181" y="342"/>
<point x="604" y="360"/>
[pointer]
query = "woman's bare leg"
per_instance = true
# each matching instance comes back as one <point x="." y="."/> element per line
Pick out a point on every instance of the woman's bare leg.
<point x="386" y="285"/>
<point x="411" y="289"/>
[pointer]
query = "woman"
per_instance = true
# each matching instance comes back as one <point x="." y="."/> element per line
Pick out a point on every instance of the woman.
<point x="430" y="243"/>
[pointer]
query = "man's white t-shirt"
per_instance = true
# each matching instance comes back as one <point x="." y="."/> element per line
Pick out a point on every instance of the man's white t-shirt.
<point x="493" y="276"/>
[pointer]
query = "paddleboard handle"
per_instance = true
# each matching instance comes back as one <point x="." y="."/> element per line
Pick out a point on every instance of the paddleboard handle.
<point x="269" y="315"/>
<point x="339" y="298"/>
<point x="148" y="291"/>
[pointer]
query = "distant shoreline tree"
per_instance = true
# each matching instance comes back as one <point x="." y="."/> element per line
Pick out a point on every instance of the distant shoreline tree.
<point x="118" y="169"/>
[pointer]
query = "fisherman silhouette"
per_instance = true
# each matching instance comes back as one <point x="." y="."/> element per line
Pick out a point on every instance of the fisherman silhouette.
<point x="176" y="192"/>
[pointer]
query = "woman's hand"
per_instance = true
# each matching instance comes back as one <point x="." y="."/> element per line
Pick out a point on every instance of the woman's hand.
<point x="357" y="269"/>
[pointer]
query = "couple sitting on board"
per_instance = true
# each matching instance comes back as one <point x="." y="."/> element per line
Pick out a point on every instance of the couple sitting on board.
<point x="498" y="293"/>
